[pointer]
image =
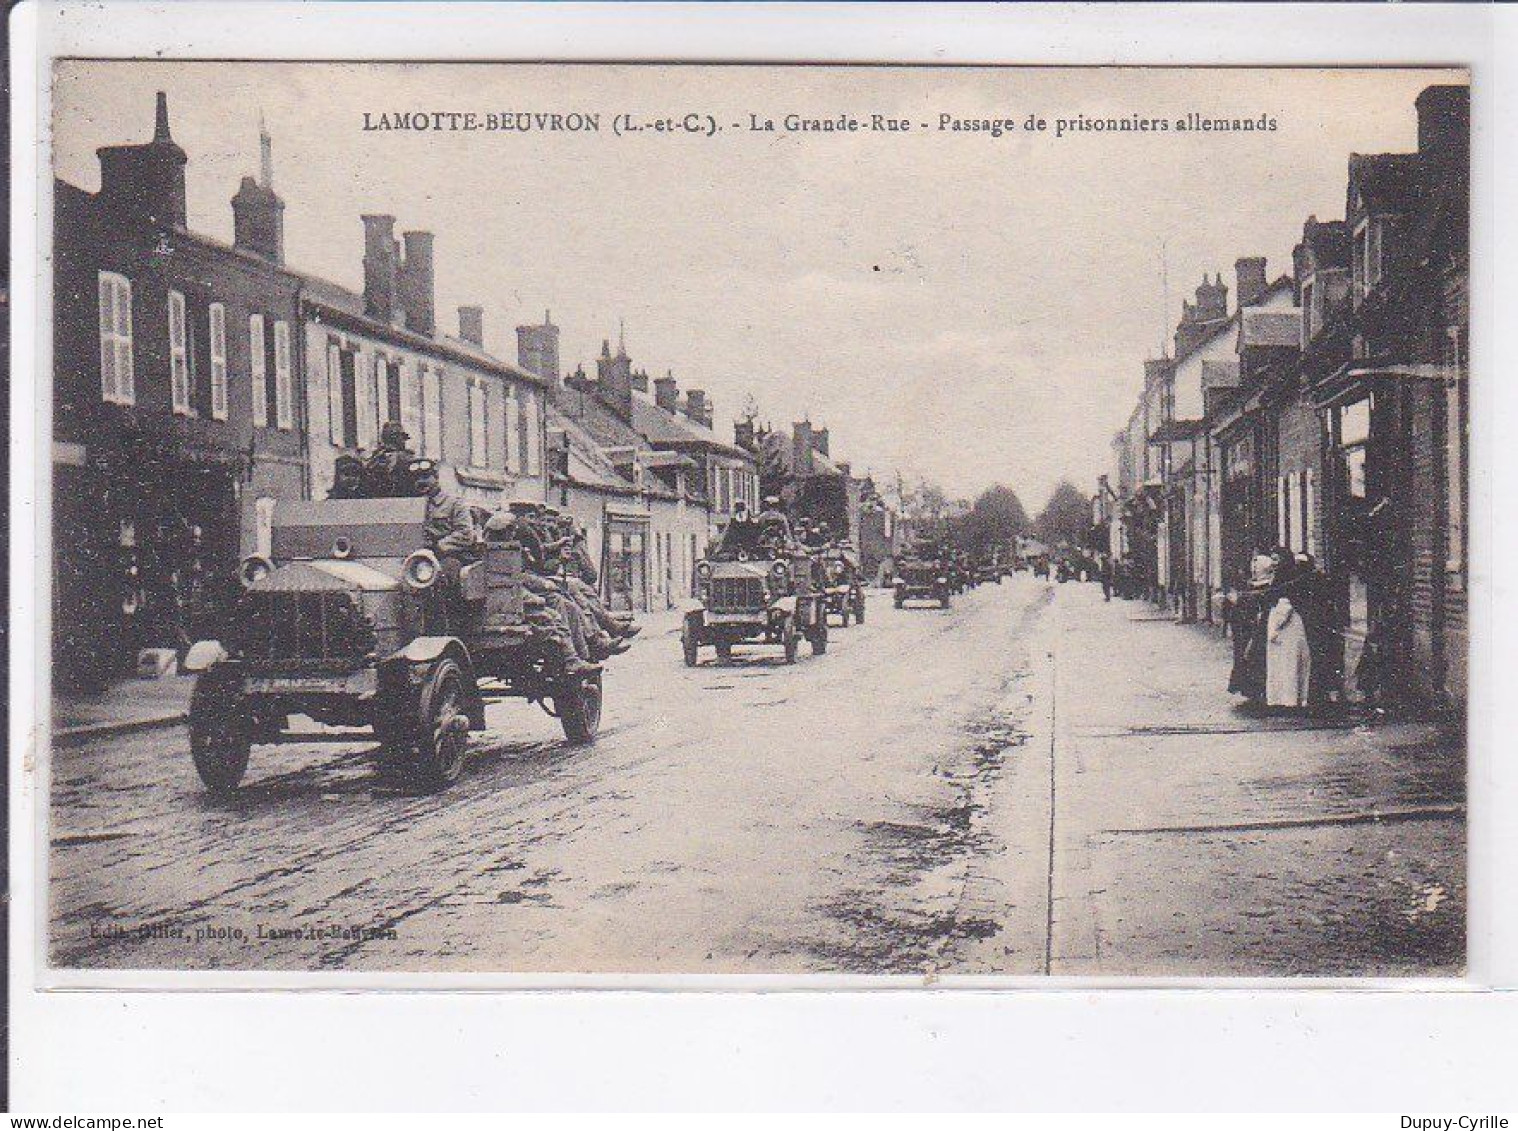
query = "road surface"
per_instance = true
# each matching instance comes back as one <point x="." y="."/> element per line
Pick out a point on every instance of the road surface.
<point x="876" y="809"/>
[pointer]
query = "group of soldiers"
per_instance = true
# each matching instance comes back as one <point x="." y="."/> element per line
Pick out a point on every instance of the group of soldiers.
<point x="771" y="533"/>
<point x="562" y="604"/>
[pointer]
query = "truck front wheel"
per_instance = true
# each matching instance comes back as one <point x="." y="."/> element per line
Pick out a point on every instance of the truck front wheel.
<point x="221" y="730"/>
<point x="426" y="732"/>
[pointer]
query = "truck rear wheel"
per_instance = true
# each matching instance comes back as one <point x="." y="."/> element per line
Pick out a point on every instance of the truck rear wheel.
<point x="579" y="706"/>
<point x="221" y="730"/>
<point x="690" y="640"/>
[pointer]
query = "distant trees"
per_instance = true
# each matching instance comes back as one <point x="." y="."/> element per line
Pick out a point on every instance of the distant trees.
<point x="996" y="518"/>
<point x="1066" y="517"/>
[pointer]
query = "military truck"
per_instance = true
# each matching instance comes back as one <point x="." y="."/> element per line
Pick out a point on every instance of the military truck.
<point x="921" y="578"/>
<point x="351" y="623"/>
<point x="775" y="599"/>
<point x="845" y="587"/>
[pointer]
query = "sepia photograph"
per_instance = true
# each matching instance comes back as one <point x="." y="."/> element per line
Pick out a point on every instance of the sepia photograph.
<point x="916" y="522"/>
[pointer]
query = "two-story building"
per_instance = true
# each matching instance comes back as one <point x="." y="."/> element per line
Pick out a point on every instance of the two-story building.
<point x="380" y="356"/>
<point x="179" y="400"/>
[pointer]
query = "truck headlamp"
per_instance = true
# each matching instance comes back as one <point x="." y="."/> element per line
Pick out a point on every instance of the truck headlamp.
<point x="704" y="570"/>
<point x="421" y="569"/>
<point x="254" y="568"/>
<point x="780" y="573"/>
<point x="342" y="549"/>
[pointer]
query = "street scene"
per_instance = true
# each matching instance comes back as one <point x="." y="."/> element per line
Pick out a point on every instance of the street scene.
<point x="964" y="608"/>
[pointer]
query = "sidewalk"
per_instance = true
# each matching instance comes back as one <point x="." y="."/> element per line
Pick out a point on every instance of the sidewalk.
<point x="131" y="705"/>
<point x="1194" y="839"/>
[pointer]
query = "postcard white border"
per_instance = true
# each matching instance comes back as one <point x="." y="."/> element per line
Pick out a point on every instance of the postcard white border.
<point x="1051" y="1044"/>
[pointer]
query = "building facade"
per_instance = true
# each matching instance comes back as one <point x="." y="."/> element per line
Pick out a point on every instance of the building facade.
<point x="178" y="404"/>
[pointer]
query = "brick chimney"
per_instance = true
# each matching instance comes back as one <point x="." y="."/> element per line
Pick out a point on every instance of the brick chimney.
<point x="698" y="408"/>
<point x="145" y="183"/>
<point x="414" y="284"/>
<point x="538" y="349"/>
<point x="1252" y="283"/>
<point x="640" y="380"/>
<point x="667" y="393"/>
<point x="820" y="441"/>
<point x="1444" y="122"/>
<point x="380" y="255"/>
<point x="472" y="325"/>
<point x="258" y="214"/>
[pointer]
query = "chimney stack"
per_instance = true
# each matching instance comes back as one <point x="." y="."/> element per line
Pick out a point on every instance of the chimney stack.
<point x="640" y="380"/>
<point x="258" y="214"/>
<point x="472" y="325"/>
<point x="538" y="349"/>
<point x="145" y="183"/>
<point x="379" y="267"/>
<point x="820" y="441"/>
<point x="1252" y="283"/>
<point x="667" y="393"/>
<point x="801" y="447"/>
<point x="415" y="284"/>
<point x="698" y="408"/>
<point x="1444" y="120"/>
<point x="614" y="380"/>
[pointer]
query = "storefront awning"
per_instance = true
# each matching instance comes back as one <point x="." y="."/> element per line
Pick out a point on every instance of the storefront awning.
<point x="1350" y="381"/>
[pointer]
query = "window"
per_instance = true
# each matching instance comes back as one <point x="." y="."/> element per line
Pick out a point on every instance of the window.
<point x="218" y="319"/>
<point x="392" y="397"/>
<point x="335" y="393"/>
<point x="258" y="373"/>
<point x="179" y="359"/>
<point x="411" y="403"/>
<point x="514" y="454"/>
<point x="1294" y="540"/>
<point x="116" y="379"/>
<point x="1283" y="511"/>
<point x="479" y="433"/>
<point x="1373" y="254"/>
<point x="364" y="403"/>
<point x="432" y="413"/>
<point x="284" y="394"/>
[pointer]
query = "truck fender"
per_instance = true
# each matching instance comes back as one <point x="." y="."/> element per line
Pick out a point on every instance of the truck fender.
<point x="689" y="605"/>
<point x="425" y="649"/>
<point x="204" y="654"/>
<point x="790" y="605"/>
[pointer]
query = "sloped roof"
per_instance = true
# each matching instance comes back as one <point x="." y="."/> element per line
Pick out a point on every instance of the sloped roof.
<point x="1220" y="374"/>
<point x="588" y="464"/>
<point x="660" y="427"/>
<point x="1261" y="327"/>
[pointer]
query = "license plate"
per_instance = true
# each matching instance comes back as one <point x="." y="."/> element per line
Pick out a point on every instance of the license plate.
<point x="355" y="683"/>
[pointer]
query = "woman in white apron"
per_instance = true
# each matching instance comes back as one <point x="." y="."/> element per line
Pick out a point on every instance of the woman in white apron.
<point x="1288" y="660"/>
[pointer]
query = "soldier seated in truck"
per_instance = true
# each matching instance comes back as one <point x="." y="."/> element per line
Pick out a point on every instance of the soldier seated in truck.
<point x="451" y="533"/>
<point x="348" y="479"/>
<point x="554" y="621"/>
<point x="387" y="471"/>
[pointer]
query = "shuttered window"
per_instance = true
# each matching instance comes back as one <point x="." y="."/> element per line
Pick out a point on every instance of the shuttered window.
<point x="335" y="393"/>
<point x="411" y="404"/>
<point x="479" y="451"/>
<point x="117" y="383"/>
<point x="218" y="318"/>
<point x="531" y="446"/>
<point x="514" y="453"/>
<point x="179" y="359"/>
<point x="364" y="402"/>
<point x="432" y="413"/>
<point x="284" y="392"/>
<point x="258" y="373"/>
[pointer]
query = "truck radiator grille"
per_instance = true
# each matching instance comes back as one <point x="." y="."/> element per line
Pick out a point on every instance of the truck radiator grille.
<point x="294" y="628"/>
<point x="736" y="594"/>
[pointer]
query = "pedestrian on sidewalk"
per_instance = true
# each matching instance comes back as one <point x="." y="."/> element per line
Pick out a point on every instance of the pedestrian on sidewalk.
<point x="1250" y="615"/>
<point x="1288" y="668"/>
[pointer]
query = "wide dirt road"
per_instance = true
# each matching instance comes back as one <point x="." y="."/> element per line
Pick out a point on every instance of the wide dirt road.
<point x="882" y="808"/>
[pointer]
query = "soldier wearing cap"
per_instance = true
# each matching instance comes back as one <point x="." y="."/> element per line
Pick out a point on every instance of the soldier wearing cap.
<point x="559" y="623"/>
<point x="451" y="533"/>
<point x="387" y="469"/>
<point x="347" y="478"/>
<point x="774" y="526"/>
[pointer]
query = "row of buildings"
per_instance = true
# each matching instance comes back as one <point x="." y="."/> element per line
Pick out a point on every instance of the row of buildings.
<point x="1325" y="411"/>
<point x="197" y="382"/>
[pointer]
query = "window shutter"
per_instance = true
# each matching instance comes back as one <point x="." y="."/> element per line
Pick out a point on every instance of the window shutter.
<point x="126" y="382"/>
<point x="179" y="366"/>
<point x="363" y="397"/>
<point x="411" y="414"/>
<point x="382" y="388"/>
<point x="109" y="384"/>
<point x="335" y="393"/>
<point x="284" y="393"/>
<point x="432" y="413"/>
<point x="534" y="433"/>
<point x="513" y="440"/>
<point x="258" y="374"/>
<point x="218" y="317"/>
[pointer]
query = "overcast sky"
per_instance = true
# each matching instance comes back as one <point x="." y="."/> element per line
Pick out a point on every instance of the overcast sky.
<point x="971" y="309"/>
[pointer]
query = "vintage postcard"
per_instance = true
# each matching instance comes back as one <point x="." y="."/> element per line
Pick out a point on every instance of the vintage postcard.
<point x="773" y="520"/>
